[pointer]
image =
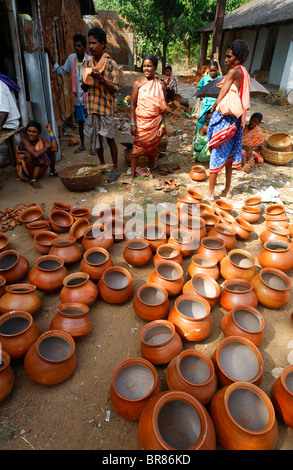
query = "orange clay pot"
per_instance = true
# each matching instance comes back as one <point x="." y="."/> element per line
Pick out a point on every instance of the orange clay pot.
<point x="204" y="286"/>
<point x="203" y="265"/>
<point x="243" y="228"/>
<point x="198" y="173"/>
<point x="238" y="264"/>
<point x="97" y="235"/>
<point x="80" y="212"/>
<point x="159" y="342"/>
<point x="282" y="395"/>
<point x="20" y="297"/>
<point x="250" y="214"/>
<point x="272" y="287"/>
<point x="94" y="262"/>
<point x="226" y="233"/>
<point x="196" y="225"/>
<point x="37" y="226"/>
<point x="221" y="205"/>
<point x="183" y="240"/>
<point x="17" y="333"/>
<point x="43" y="241"/>
<point x="193" y="196"/>
<point x="13" y="266"/>
<point x="137" y="252"/>
<point x="151" y="302"/>
<point x="168" y="252"/>
<point x="4" y="242"/>
<point x="168" y="274"/>
<point x="60" y="221"/>
<point x="48" y="273"/>
<point x="273" y="233"/>
<point x="78" y="228"/>
<point x="78" y="288"/>
<point x="155" y="235"/>
<point x="212" y="247"/>
<point x="72" y="318"/>
<point x="244" y="321"/>
<point x="276" y="254"/>
<point x="67" y="249"/>
<point x="115" y="285"/>
<point x="2" y="285"/>
<point x="167" y="221"/>
<point x="238" y="292"/>
<point x="6" y="376"/>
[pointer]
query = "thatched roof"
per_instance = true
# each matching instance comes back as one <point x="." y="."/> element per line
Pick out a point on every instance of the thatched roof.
<point x="254" y="14"/>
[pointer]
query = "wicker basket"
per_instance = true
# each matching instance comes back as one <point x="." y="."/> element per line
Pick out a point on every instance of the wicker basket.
<point x="276" y="158"/>
<point x="79" y="183"/>
<point x="280" y="142"/>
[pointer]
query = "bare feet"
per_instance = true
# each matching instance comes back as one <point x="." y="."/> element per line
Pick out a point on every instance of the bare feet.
<point x="210" y="196"/>
<point x="226" y="194"/>
<point x="36" y="185"/>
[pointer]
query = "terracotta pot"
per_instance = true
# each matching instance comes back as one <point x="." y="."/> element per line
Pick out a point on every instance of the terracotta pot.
<point x="196" y="226"/>
<point x="193" y="372"/>
<point x="204" y="286"/>
<point x="243" y="228"/>
<point x="203" y="265"/>
<point x="198" y="173"/>
<point x="210" y="221"/>
<point x="137" y="252"/>
<point x="168" y="252"/>
<point x="159" y="342"/>
<point x="67" y="249"/>
<point x="290" y="228"/>
<point x="13" y="266"/>
<point x="116" y="285"/>
<point x="275" y="210"/>
<point x="273" y="221"/>
<point x="191" y="317"/>
<point x="78" y="228"/>
<point x="51" y="359"/>
<point x="94" y="262"/>
<point x="4" y="242"/>
<point x="238" y="264"/>
<point x="38" y="226"/>
<point x="237" y="359"/>
<point x="6" y="376"/>
<point x="80" y="212"/>
<point x="212" y="247"/>
<point x="183" y="240"/>
<point x="244" y="418"/>
<point x="116" y="226"/>
<point x="17" y="332"/>
<point x="109" y="213"/>
<point x="2" y="285"/>
<point x="155" y="235"/>
<point x="167" y="221"/>
<point x="254" y="201"/>
<point x="238" y="292"/>
<point x="282" y="395"/>
<point x="151" y="302"/>
<point x="72" y="318"/>
<point x="20" y="297"/>
<point x="272" y="287"/>
<point x="168" y="274"/>
<point x="30" y="214"/>
<point x="187" y="210"/>
<point x="250" y="214"/>
<point x="276" y="254"/>
<point x="221" y="205"/>
<point x="43" y="241"/>
<point x="193" y="196"/>
<point x="225" y="217"/>
<point x="48" y="273"/>
<point x="60" y="221"/>
<point x="273" y="233"/>
<point x="97" y="236"/>
<point x="226" y="233"/>
<point x="78" y="288"/>
<point x="206" y="209"/>
<point x="174" y="420"/>
<point x="61" y="206"/>
<point x="244" y="321"/>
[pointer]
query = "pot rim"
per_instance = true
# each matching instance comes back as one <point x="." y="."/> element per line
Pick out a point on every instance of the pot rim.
<point x="28" y="210"/>
<point x="224" y="226"/>
<point x="156" y="286"/>
<point x="220" y="203"/>
<point x="9" y="252"/>
<point x="209" y="279"/>
<point x="228" y="282"/>
<point x="277" y="272"/>
<point x="195" y="194"/>
<point x="61" y="333"/>
<point x="68" y="217"/>
<point x="91" y="227"/>
<point x="74" y="209"/>
<point x="167" y="245"/>
<point x="65" y="241"/>
<point x="172" y="263"/>
<point x="80" y="274"/>
<point x="5" y="358"/>
<point x="178" y="230"/>
<point x="251" y="209"/>
<point x="275" y="229"/>
<point x="116" y="268"/>
<point x="84" y="309"/>
<point x="217" y="239"/>
<point x="257" y="198"/>
<point x="35" y="224"/>
<point x="62" y="204"/>
<point x="162" y="234"/>
<point x="49" y="257"/>
<point x="283" y="376"/>
<point x="2" y="281"/>
<point x="201" y="355"/>
<point x="76" y="223"/>
<point x="244" y="253"/>
<point x="53" y="235"/>
<point x="171" y="215"/>
<point x="285" y="244"/>
<point x="281" y="208"/>
<point x="244" y="224"/>
<point x="94" y="250"/>
<point x="153" y="324"/>
<point x="193" y="297"/>
<point x="199" y="168"/>
<point x="16" y="313"/>
<point x="20" y="288"/>
<point x="254" y="312"/>
<point x="139" y="240"/>
<point x="198" y="256"/>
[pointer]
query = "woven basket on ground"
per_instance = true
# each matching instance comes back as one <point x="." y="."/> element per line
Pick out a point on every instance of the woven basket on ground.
<point x="276" y="158"/>
<point x="280" y="142"/>
<point x="73" y="182"/>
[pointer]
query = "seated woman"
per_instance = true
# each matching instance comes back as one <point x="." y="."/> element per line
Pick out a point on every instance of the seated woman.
<point x="253" y="138"/>
<point x="35" y="155"/>
<point x="201" y="152"/>
<point x="207" y="101"/>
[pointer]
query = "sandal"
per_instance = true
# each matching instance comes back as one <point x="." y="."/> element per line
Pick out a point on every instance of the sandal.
<point x="113" y="175"/>
<point x="53" y="173"/>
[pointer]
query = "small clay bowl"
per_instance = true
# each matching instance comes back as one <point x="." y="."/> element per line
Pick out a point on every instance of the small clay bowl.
<point x="80" y="212"/>
<point x="31" y="214"/>
<point x="43" y="241"/>
<point x="37" y="226"/>
<point x="62" y="206"/>
<point x="78" y="227"/>
<point x="61" y="221"/>
<point x="4" y="242"/>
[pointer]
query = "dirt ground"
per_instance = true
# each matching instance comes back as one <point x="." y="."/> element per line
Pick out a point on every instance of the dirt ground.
<point x="72" y="415"/>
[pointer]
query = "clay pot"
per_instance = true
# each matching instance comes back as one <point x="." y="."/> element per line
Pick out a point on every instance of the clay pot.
<point x="244" y="321"/>
<point x="244" y="418"/>
<point x="2" y="285"/>
<point x="187" y="210"/>
<point x="151" y="302"/>
<point x="204" y="286"/>
<point x="272" y="287"/>
<point x="72" y="318"/>
<point x="193" y="372"/>
<point x="108" y="214"/>
<point x="67" y="249"/>
<point x="20" y="297"/>
<point x="184" y="241"/>
<point x="255" y="201"/>
<point x="196" y="225"/>
<point x="168" y="252"/>
<point x="221" y="205"/>
<point x="167" y="221"/>
<point x="13" y="266"/>
<point x="210" y="221"/>
<point x="273" y="233"/>
<point x="78" y="228"/>
<point x="60" y="221"/>
<point x="94" y="262"/>
<point x="116" y="226"/>
<point x="168" y="274"/>
<point x="273" y="221"/>
<point x="191" y="317"/>
<point x="97" y="236"/>
<point x="43" y="241"/>
<point x="237" y="359"/>
<point x="17" y="332"/>
<point x="238" y="264"/>
<point x="155" y="235"/>
<point x="243" y="228"/>
<point x="137" y="252"/>
<point x="250" y="214"/>
<point x="51" y="359"/>
<point x="275" y="210"/>
<point x="282" y="395"/>
<point x="30" y="214"/>
<point x="6" y="376"/>
<point x="198" y="173"/>
<point x="225" y="217"/>
<point x="206" y="209"/>
<point x="193" y="196"/>
<point x="116" y="285"/>
<point x="238" y="292"/>
<point x="174" y="420"/>
<point x="160" y="342"/>
<point x="226" y="233"/>
<point x="4" y="242"/>
<point x="80" y="212"/>
<point x="78" y="288"/>
<point x="212" y="247"/>
<point x="276" y="254"/>
<point x="133" y="383"/>
<point x="61" y="206"/>
<point x="48" y="273"/>
<point x="203" y="265"/>
<point x="38" y="226"/>
<point x="290" y="228"/>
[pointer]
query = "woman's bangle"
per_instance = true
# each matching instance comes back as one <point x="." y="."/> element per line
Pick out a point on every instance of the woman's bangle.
<point x="163" y="124"/>
<point x="52" y="137"/>
<point x="51" y="133"/>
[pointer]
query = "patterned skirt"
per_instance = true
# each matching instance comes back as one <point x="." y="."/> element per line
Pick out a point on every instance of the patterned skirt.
<point x="41" y="166"/>
<point x="148" y="148"/>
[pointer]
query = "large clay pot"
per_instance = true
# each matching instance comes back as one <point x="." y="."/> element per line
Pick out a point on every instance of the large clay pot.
<point x="272" y="287"/>
<point x="17" y="333"/>
<point x="72" y="318"/>
<point x="13" y="266"/>
<point x="4" y="242"/>
<point x="155" y="235"/>
<point x="6" y="376"/>
<point x="159" y="342"/>
<point x="116" y="227"/>
<point x="238" y="292"/>
<point x="250" y="214"/>
<point x="38" y="226"/>
<point x="80" y="212"/>
<point x="30" y="214"/>
<point x="203" y="265"/>
<point x="198" y="173"/>
<point x="244" y="321"/>
<point x="20" y="297"/>
<point x="43" y="241"/>
<point x="168" y="252"/>
<point x="167" y="221"/>
<point x="183" y="240"/>
<point x="221" y="205"/>
<point x="67" y="249"/>
<point x="60" y="221"/>
<point x="191" y="317"/>
<point x="212" y="247"/>
<point x="115" y="285"/>
<point x="134" y="381"/>
<point x="238" y="264"/>
<point x="237" y="359"/>
<point x="78" y="228"/>
<point x="168" y="274"/>
<point x="254" y="201"/>
<point x="226" y="233"/>
<point x="78" y="288"/>
<point x="2" y="286"/>
<point x="193" y="372"/>
<point x="275" y="210"/>
<point x="48" y="273"/>
<point x="196" y="225"/>
<point x="151" y="302"/>
<point x="282" y="395"/>
<point x="137" y="252"/>
<point x="273" y="233"/>
<point x="94" y="262"/>
<point x="192" y="196"/>
<point x="51" y="359"/>
<point x="174" y="420"/>
<point x="244" y="418"/>
<point x="276" y="254"/>
<point x="97" y="236"/>
<point x="204" y="286"/>
<point x="225" y="217"/>
<point x="243" y="228"/>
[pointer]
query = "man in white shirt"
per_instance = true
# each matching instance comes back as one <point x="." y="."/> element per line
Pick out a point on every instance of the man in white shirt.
<point x="9" y="114"/>
<point x="74" y="64"/>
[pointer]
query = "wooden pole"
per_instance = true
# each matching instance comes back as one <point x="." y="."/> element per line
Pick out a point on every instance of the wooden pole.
<point x="218" y="27"/>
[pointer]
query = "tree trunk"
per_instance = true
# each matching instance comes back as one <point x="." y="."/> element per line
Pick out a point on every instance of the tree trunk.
<point x="188" y="47"/>
<point x="218" y="28"/>
<point x="164" y="56"/>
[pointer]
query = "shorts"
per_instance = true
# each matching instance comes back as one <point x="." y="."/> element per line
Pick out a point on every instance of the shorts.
<point x="98" y="126"/>
<point x="80" y="113"/>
